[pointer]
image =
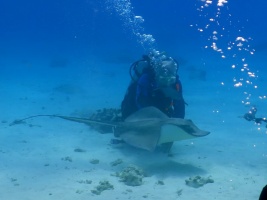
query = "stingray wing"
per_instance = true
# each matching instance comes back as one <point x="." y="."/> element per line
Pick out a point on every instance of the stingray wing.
<point x="149" y="127"/>
<point x="142" y="134"/>
<point x="142" y="129"/>
<point x="146" y="113"/>
<point x="175" y="129"/>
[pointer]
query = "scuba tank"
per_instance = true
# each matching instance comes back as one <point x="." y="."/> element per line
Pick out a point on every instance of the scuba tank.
<point x="140" y="67"/>
<point x="128" y="105"/>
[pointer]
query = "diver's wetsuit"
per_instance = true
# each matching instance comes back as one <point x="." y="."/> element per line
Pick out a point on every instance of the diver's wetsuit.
<point x="149" y="94"/>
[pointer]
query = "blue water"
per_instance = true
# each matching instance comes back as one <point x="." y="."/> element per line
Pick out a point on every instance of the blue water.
<point x="85" y="48"/>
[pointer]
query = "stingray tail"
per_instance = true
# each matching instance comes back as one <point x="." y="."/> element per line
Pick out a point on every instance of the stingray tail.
<point x="74" y="119"/>
<point x="86" y="121"/>
<point x="21" y="121"/>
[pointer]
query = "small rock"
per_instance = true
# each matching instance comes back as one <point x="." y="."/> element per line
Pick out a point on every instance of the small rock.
<point x="94" y="161"/>
<point x="79" y="150"/>
<point x="67" y="158"/>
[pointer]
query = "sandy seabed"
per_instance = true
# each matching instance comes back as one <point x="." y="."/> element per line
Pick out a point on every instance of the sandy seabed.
<point x="50" y="159"/>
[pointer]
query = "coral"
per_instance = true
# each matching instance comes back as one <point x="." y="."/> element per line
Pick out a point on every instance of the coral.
<point x="103" y="185"/>
<point x="116" y="162"/>
<point x="160" y="182"/>
<point x="85" y="181"/>
<point x="198" y="181"/>
<point x="131" y="176"/>
<point x="94" y="161"/>
<point x="105" y="115"/>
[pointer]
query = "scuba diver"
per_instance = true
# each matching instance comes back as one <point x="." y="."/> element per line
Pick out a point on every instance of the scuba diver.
<point x="155" y="82"/>
<point x="250" y="116"/>
<point x="263" y="195"/>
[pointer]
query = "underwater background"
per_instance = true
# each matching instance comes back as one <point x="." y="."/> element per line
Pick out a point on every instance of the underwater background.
<point x="48" y="30"/>
<point x="73" y="57"/>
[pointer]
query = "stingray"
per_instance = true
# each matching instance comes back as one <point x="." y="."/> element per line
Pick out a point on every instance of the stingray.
<point x="146" y="129"/>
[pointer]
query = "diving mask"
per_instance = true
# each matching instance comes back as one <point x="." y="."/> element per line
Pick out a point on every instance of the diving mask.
<point x="166" y="73"/>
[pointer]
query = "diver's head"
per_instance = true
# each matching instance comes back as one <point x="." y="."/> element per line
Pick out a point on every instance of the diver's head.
<point x="166" y="72"/>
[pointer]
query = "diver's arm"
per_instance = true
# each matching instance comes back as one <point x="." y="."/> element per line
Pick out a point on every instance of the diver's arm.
<point x="178" y="108"/>
<point x="143" y="92"/>
<point x="179" y="104"/>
